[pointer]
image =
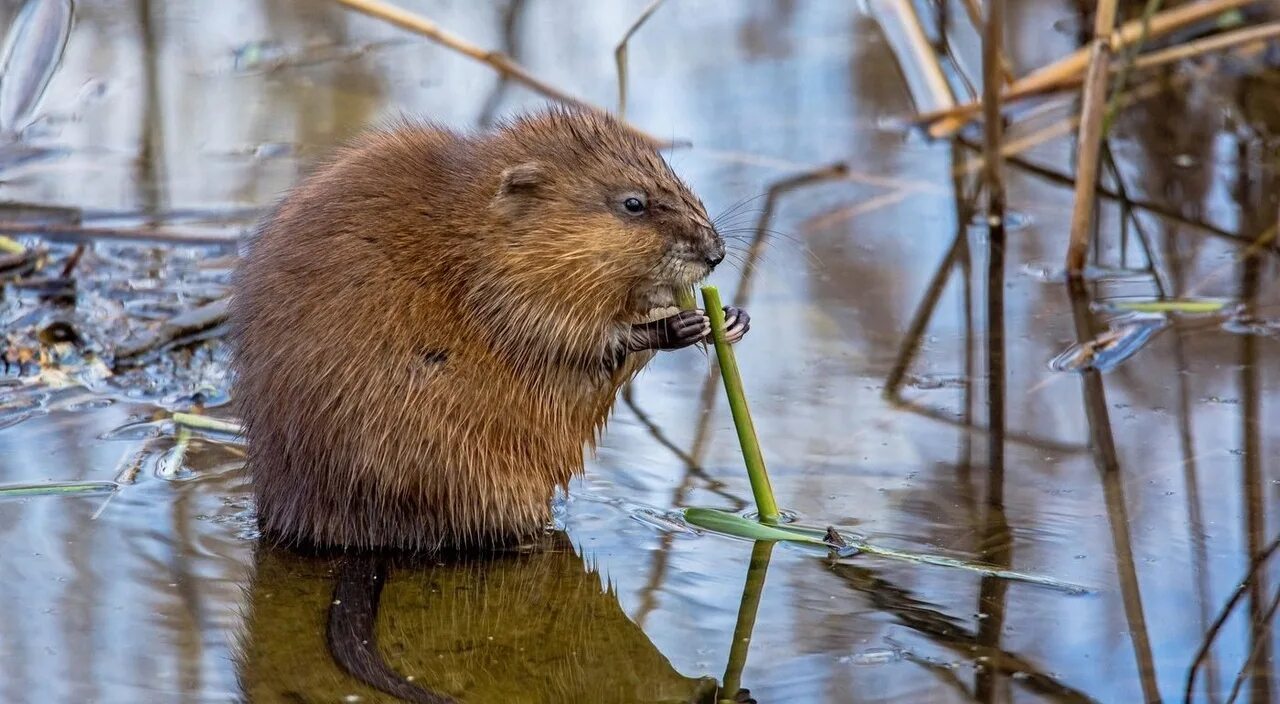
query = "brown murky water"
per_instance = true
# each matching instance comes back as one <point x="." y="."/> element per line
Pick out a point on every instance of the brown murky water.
<point x="1149" y="483"/>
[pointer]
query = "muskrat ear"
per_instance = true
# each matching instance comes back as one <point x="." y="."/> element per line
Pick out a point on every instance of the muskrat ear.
<point x="522" y="179"/>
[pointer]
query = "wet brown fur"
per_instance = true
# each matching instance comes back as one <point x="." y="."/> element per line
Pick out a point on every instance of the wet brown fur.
<point x="425" y="326"/>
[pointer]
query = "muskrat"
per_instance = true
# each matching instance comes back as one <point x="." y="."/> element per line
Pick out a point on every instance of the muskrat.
<point x="431" y="327"/>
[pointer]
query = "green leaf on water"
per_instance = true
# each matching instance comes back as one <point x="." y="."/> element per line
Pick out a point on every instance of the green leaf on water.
<point x="47" y="488"/>
<point x="736" y="526"/>
<point x="1185" y="305"/>
<point x="739" y="527"/>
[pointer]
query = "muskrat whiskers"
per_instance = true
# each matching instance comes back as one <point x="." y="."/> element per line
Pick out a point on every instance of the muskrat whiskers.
<point x="736" y="207"/>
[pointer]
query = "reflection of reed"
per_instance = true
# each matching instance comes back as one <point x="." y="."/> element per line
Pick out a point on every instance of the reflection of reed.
<point x="511" y="14"/>
<point x="946" y="631"/>
<point x="748" y="606"/>
<point x="1253" y="493"/>
<point x="1190" y="474"/>
<point x="1102" y="443"/>
<point x="1256" y="565"/>
<point x="742" y="295"/>
<point x="957" y="255"/>
<point x="997" y="543"/>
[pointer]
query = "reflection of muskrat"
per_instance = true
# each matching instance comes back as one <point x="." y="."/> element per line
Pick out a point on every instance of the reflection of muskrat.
<point x="431" y="327"/>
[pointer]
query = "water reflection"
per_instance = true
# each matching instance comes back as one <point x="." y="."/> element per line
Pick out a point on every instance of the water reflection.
<point x="535" y="626"/>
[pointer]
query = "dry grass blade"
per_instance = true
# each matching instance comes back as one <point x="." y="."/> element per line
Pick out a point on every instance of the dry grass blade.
<point x="620" y="54"/>
<point x="1069" y="68"/>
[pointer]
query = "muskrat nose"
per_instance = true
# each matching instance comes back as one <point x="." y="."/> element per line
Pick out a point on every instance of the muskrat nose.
<point x="716" y="255"/>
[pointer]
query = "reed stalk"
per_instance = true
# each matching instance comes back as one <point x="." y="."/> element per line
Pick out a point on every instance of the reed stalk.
<point x="1225" y="41"/>
<point x="1093" y="112"/>
<point x="1070" y="67"/>
<point x="761" y="489"/>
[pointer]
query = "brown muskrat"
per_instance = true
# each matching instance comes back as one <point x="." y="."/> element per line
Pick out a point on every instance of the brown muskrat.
<point x="432" y="326"/>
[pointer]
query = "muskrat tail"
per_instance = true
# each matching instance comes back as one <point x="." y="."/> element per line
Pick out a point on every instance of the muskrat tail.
<point x="350" y="633"/>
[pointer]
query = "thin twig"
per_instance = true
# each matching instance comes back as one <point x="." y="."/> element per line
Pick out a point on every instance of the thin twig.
<point x="494" y="59"/>
<point x="1256" y="651"/>
<point x="1206" y="644"/>
<point x="73" y="260"/>
<point x="620" y="54"/>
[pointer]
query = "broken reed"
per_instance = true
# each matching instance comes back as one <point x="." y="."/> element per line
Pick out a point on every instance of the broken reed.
<point x="761" y="489"/>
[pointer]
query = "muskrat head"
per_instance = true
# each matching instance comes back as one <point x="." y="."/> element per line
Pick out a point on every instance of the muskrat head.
<point x="602" y="207"/>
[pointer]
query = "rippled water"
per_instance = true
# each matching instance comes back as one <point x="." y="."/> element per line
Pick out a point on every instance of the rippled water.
<point x="1149" y="483"/>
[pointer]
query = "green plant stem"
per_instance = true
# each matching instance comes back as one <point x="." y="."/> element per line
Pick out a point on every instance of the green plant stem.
<point x="766" y="507"/>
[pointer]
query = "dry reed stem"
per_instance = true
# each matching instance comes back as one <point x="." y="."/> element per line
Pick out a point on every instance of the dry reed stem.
<point x="1217" y="42"/>
<point x="496" y="60"/>
<point x="974" y="11"/>
<point x="1093" y="112"/>
<point x="922" y="55"/>
<point x="1156" y="59"/>
<point x="1014" y="147"/>
<point x="620" y="54"/>
<point x="993" y="134"/>
<point x="1072" y="66"/>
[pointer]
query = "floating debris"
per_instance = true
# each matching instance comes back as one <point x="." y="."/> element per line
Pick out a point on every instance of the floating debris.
<point x="173" y="463"/>
<point x="1111" y="348"/>
<point x="1057" y="274"/>
<point x="198" y="323"/>
<point x="1250" y="325"/>
<point x="846" y="545"/>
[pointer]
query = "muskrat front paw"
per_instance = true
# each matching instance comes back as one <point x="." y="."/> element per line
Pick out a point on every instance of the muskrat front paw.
<point x="678" y="331"/>
<point x="736" y="324"/>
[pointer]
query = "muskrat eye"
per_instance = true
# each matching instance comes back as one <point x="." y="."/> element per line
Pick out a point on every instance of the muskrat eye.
<point x="634" y="205"/>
